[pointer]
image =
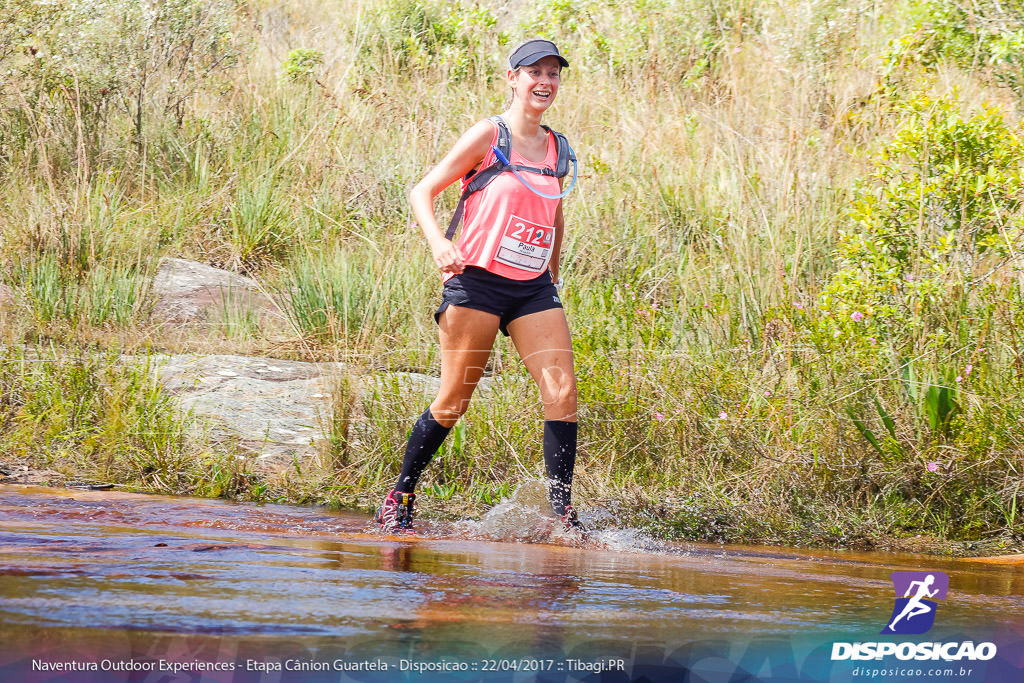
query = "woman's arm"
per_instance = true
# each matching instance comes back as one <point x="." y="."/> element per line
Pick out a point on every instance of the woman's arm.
<point x="465" y="155"/>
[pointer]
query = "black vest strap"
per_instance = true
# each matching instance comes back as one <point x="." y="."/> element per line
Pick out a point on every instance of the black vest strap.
<point x="483" y="177"/>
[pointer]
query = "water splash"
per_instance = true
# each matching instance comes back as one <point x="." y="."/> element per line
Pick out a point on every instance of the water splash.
<point x="523" y="517"/>
<point x="526" y="517"/>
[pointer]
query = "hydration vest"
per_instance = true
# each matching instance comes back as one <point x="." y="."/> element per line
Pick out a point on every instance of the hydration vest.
<point x="483" y="177"/>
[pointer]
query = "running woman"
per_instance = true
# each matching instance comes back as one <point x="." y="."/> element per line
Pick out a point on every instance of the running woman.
<point x="500" y="275"/>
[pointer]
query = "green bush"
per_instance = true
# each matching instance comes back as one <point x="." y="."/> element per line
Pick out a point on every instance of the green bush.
<point x="259" y="227"/>
<point x="302" y="64"/>
<point x="359" y="298"/>
<point x="675" y="39"/>
<point x="930" y="229"/>
<point x="80" y="63"/>
<point x="984" y="36"/>
<point x="104" y="296"/>
<point x="916" y="327"/>
<point x="459" y="38"/>
<point x="90" y="407"/>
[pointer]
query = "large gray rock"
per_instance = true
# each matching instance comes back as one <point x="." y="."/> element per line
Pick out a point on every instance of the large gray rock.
<point x="270" y="407"/>
<point x="277" y="410"/>
<point x="190" y="293"/>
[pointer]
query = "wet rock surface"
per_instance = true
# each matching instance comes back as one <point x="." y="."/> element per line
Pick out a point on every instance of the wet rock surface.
<point x="271" y="408"/>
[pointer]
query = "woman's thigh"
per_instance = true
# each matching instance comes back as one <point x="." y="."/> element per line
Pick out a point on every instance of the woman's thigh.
<point x="467" y="336"/>
<point x="545" y="345"/>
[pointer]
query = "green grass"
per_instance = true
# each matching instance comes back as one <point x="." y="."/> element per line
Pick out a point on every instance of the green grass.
<point x="105" y="418"/>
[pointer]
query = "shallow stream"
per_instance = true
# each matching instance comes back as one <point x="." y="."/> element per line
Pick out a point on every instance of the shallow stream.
<point x="157" y="588"/>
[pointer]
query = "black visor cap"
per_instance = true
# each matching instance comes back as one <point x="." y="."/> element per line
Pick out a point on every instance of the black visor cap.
<point x="533" y="51"/>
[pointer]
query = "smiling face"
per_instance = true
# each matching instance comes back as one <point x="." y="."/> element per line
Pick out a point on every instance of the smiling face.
<point x="535" y="85"/>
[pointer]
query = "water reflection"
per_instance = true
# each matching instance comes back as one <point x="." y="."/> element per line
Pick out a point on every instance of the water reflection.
<point x="87" y="560"/>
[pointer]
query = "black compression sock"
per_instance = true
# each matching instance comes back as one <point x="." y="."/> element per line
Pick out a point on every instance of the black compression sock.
<point x="559" y="461"/>
<point x="426" y="437"/>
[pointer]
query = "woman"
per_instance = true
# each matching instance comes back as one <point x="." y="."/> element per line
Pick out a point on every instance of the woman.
<point x="500" y="275"/>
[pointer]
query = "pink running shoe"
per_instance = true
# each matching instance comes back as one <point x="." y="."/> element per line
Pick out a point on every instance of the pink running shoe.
<point x="395" y="513"/>
<point x="571" y="522"/>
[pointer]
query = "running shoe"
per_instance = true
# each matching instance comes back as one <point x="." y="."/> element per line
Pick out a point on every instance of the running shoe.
<point x="395" y="514"/>
<point x="570" y="521"/>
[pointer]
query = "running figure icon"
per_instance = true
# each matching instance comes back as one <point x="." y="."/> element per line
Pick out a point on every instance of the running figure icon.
<point x="914" y="612"/>
<point x="915" y="607"/>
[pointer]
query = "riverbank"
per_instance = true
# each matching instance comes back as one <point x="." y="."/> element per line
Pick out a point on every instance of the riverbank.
<point x="23" y="474"/>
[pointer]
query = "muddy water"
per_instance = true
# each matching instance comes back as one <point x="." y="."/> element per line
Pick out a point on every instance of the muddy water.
<point x="269" y="593"/>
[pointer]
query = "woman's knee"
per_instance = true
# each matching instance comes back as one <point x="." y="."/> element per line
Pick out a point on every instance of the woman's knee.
<point x="447" y="411"/>
<point x="561" y="394"/>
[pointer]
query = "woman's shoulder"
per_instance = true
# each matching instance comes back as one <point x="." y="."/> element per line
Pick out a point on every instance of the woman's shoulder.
<point x="480" y="132"/>
<point x="471" y="147"/>
<point x="488" y="125"/>
<point x="478" y="137"/>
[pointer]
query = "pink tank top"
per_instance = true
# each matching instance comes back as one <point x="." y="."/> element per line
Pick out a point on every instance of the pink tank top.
<point x="507" y="229"/>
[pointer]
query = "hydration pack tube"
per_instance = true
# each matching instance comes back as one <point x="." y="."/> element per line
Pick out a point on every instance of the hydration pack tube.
<point x="502" y="152"/>
<point x="515" y="171"/>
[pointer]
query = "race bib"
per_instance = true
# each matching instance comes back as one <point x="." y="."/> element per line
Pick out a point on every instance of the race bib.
<point x="525" y="245"/>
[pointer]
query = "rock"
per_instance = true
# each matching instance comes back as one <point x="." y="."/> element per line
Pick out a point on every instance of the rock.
<point x="29" y="475"/>
<point x="191" y="293"/>
<point x="270" y="407"/>
<point x="274" y="409"/>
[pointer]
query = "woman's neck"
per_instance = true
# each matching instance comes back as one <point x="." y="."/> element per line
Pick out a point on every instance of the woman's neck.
<point x="523" y="124"/>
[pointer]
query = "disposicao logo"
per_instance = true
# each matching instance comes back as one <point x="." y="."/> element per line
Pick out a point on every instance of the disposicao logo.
<point x="914" y="614"/>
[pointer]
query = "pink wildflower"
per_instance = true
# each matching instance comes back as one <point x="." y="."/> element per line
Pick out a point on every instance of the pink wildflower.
<point x="933" y="466"/>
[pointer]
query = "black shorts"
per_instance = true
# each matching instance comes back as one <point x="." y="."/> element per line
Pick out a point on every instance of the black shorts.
<point x="508" y="299"/>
